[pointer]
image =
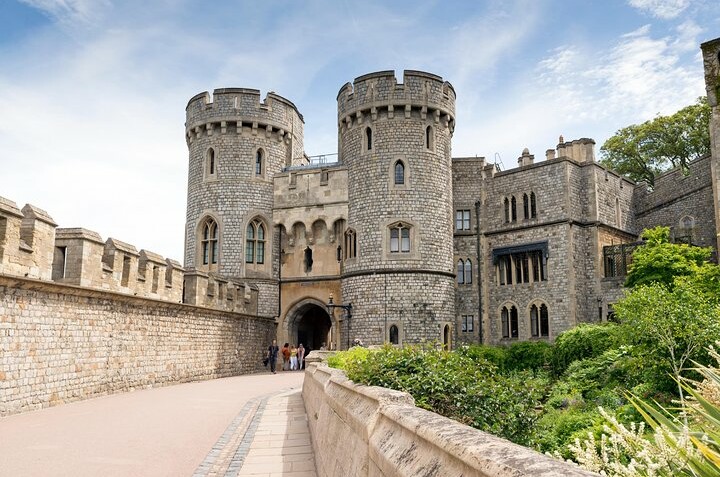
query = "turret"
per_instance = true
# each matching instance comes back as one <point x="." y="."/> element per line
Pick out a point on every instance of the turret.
<point x="237" y="143"/>
<point x="395" y="140"/>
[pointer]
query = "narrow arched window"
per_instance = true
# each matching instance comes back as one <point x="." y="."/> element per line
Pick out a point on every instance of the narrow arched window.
<point x="544" y="321"/>
<point x="429" y="137"/>
<point x="210" y="163"/>
<point x="394" y="335"/>
<point x="504" y="323"/>
<point x="209" y="242"/>
<point x="368" y="138"/>
<point x="468" y="272"/>
<point x="534" y="328"/>
<point x="460" y="272"/>
<point x="350" y="244"/>
<point x="255" y="242"/>
<point x="513" y="209"/>
<point x="526" y="207"/>
<point x="506" y="202"/>
<point x="513" y="322"/>
<point x="259" y="159"/>
<point x="533" y="206"/>
<point x="399" y="173"/>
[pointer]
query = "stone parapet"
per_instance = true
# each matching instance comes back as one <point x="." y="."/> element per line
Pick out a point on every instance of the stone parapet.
<point x="368" y="430"/>
<point x="26" y="240"/>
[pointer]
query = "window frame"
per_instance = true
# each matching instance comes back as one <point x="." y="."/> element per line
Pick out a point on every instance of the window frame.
<point x="255" y="242"/>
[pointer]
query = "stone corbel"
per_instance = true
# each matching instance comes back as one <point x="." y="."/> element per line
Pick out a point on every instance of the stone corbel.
<point x="268" y="131"/>
<point x="280" y="135"/>
<point x="359" y="117"/>
<point x="239" y="128"/>
<point x="391" y="111"/>
<point x="436" y="116"/>
<point x="423" y="112"/>
<point x="209" y="129"/>
<point x="254" y="128"/>
<point x="408" y="110"/>
<point x="223" y="127"/>
<point x="373" y="113"/>
<point x="198" y="131"/>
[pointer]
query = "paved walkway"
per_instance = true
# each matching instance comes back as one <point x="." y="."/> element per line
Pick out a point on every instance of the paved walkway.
<point x="242" y="426"/>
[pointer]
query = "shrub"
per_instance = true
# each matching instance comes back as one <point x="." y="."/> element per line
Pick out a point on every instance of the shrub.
<point x="469" y="390"/>
<point x="532" y="355"/>
<point x="583" y="341"/>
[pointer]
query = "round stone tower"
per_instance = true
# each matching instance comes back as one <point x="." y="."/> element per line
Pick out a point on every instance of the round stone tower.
<point x="237" y="143"/>
<point x="398" y="274"/>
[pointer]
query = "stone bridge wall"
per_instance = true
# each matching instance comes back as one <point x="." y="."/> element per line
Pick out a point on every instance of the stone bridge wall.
<point x="371" y="431"/>
<point x="61" y="343"/>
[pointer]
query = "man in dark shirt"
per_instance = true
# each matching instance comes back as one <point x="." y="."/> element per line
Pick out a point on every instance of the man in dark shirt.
<point x="272" y="355"/>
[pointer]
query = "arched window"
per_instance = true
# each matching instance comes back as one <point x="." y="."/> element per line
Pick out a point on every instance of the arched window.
<point x="513" y="209"/>
<point x="534" y="328"/>
<point x="399" y="172"/>
<point x="429" y="137"/>
<point x="350" y="244"/>
<point x="400" y="238"/>
<point x="468" y="272"/>
<point x="394" y="335"/>
<point x="259" y="162"/>
<point x="368" y="138"/>
<point x="513" y="322"/>
<point x="533" y="206"/>
<point x="506" y="202"/>
<point x="460" y="272"/>
<point x="505" y="322"/>
<point x="526" y="207"/>
<point x="255" y="242"/>
<point x="209" y="242"/>
<point x="544" y="321"/>
<point x="446" y="337"/>
<point x="210" y="165"/>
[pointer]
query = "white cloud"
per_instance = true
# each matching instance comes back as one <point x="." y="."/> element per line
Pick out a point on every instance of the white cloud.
<point x="665" y="9"/>
<point x="70" y="11"/>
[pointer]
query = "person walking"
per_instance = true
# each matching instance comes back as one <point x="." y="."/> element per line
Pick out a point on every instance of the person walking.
<point x="272" y="355"/>
<point x="286" y="356"/>
<point x="301" y="356"/>
<point x="293" y="358"/>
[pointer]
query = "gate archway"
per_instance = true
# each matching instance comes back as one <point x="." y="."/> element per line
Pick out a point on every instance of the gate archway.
<point x="308" y="323"/>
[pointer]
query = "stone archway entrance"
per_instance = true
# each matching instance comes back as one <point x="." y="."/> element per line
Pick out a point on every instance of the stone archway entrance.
<point x="310" y="325"/>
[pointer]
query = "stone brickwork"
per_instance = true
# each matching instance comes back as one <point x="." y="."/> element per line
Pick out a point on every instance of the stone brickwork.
<point x="368" y="430"/>
<point x="683" y="201"/>
<point x="711" y="63"/>
<point x="60" y="343"/>
<point x="384" y="124"/>
<point x="227" y="183"/>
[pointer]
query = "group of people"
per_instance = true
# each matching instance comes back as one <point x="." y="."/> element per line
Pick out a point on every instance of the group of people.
<point x="293" y="358"/>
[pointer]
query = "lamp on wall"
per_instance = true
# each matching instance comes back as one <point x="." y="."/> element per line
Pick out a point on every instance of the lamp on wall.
<point x="348" y="313"/>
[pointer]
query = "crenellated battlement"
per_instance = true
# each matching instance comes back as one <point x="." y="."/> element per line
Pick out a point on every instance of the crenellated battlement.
<point x="420" y="94"/>
<point x="241" y="111"/>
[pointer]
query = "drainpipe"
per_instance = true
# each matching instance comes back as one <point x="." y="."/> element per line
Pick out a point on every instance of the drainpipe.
<point x="478" y="280"/>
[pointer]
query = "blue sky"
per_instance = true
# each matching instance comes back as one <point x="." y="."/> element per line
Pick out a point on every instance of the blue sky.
<point x="93" y="92"/>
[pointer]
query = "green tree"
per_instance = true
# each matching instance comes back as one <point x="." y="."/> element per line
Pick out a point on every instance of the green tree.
<point x="641" y="151"/>
<point x="670" y="326"/>
<point x="659" y="261"/>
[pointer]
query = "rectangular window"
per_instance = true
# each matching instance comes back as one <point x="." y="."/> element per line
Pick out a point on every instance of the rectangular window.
<point x="394" y="240"/>
<point x="467" y="323"/>
<point x="462" y="220"/>
<point x="405" y="244"/>
<point x="525" y="267"/>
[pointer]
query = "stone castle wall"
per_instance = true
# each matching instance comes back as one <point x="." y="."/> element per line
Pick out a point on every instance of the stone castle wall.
<point x="678" y="194"/>
<point x="61" y="343"/>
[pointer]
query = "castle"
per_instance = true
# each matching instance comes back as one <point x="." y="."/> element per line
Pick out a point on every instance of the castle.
<point x="393" y="240"/>
<point x="414" y="244"/>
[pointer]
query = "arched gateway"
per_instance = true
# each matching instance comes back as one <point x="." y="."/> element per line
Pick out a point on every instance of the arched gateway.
<point x="308" y="322"/>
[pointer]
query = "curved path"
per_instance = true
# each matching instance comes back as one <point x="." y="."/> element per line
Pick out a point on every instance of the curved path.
<point x="245" y="425"/>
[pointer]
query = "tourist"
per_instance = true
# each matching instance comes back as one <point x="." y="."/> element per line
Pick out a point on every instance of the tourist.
<point x="301" y="356"/>
<point x="293" y="358"/>
<point x="286" y="356"/>
<point x="272" y="355"/>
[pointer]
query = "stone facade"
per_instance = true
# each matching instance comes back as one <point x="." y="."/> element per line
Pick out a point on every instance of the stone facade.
<point x="421" y="246"/>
